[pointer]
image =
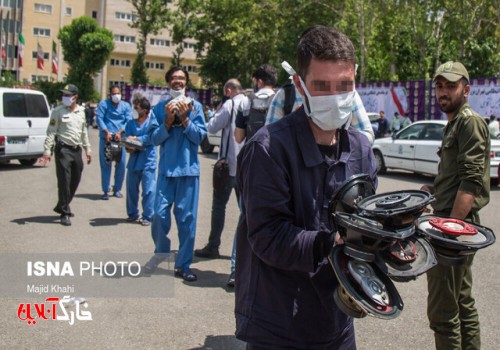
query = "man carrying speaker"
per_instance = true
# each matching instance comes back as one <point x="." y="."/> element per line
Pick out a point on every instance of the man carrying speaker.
<point x="286" y="175"/>
<point x="461" y="189"/>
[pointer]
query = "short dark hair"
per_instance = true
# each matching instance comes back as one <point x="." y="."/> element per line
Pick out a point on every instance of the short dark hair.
<point x="142" y="102"/>
<point x="324" y="44"/>
<point x="267" y="74"/>
<point x="114" y="87"/>
<point x="171" y="71"/>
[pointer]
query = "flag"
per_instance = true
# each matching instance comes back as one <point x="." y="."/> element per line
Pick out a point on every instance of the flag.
<point x="39" y="56"/>
<point x="20" y="52"/>
<point x="55" y="66"/>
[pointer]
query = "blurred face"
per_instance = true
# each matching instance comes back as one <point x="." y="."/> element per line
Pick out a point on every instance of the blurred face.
<point x="177" y="81"/>
<point x="328" y="78"/>
<point x="115" y="91"/>
<point x="450" y="95"/>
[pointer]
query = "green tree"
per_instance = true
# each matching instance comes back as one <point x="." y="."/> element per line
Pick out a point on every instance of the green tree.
<point x="150" y="16"/>
<point x="86" y="48"/>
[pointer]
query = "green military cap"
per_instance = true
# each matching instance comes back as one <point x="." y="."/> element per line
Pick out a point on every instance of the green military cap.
<point x="452" y="71"/>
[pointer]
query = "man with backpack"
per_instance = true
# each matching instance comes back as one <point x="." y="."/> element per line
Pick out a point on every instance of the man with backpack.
<point x="248" y="122"/>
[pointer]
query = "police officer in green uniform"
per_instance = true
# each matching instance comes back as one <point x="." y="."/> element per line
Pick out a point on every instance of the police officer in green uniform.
<point x="66" y="134"/>
<point x="461" y="189"/>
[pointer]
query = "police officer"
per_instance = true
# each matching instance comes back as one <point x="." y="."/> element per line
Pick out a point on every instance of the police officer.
<point x="66" y="134"/>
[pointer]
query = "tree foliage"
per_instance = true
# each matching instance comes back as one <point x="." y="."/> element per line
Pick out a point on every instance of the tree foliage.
<point x="86" y="48"/>
<point x="150" y="17"/>
<point x="394" y="39"/>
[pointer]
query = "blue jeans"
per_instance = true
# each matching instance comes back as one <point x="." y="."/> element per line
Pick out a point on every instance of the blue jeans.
<point x="219" y="202"/>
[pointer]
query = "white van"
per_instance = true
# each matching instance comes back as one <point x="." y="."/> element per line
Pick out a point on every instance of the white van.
<point x="24" y="116"/>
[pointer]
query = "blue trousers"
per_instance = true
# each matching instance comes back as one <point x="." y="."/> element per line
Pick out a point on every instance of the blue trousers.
<point x="181" y="193"/>
<point x="106" y="169"/>
<point x="134" y="179"/>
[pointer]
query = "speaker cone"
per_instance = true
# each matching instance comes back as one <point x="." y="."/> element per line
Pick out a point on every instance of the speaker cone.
<point x="395" y="209"/>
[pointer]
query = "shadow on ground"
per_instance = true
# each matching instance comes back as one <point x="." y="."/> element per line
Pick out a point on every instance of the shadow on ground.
<point x="38" y="219"/>
<point x="221" y="342"/>
<point x="107" y="221"/>
<point x="89" y="196"/>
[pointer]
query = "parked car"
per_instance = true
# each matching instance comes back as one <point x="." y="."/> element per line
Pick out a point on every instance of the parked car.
<point x="208" y="144"/>
<point x="415" y="149"/>
<point x="24" y="116"/>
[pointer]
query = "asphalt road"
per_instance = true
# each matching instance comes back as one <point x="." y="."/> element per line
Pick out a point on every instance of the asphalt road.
<point x="197" y="315"/>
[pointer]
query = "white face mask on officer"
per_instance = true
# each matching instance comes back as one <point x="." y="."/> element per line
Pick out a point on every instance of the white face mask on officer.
<point x="328" y="112"/>
<point x="68" y="100"/>
<point x="116" y="98"/>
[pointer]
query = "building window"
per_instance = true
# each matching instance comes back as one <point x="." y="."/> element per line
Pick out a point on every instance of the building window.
<point x="43" y="8"/>
<point x="41" y="32"/>
<point x="122" y="16"/>
<point x="125" y="38"/>
<point x="155" y="65"/>
<point x="94" y="14"/>
<point x="68" y="11"/>
<point x="159" y="42"/>
<point x="189" y="46"/>
<point x="39" y="78"/>
<point x="119" y="63"/>
<point x="116" y="83"/>
<point x="34" y="54"/>
<point x="191" y="69"/>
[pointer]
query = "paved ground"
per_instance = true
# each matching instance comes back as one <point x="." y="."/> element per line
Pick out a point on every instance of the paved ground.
<point x="199" y="315"/>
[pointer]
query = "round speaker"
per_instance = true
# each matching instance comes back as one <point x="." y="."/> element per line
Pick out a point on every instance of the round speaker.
<point x="395" y="209"/>
<point x="363" y="235"/>
<point x="352" y="190"/>
<point x="363" y="288"/>
<point x="406" y="259"/>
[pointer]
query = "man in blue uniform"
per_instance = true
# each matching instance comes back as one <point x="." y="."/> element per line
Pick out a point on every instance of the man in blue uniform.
<point x="178" y="130"/>
<point x="112" y="115"/>
<point x="141" y="166"/>
<point x="286" y="175"/>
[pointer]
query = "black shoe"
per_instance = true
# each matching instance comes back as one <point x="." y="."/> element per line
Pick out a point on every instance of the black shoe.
<point x="186" y="274"/>
<point x="231" y="280"/>
<point x="65" y="220"/>
<point x="207" y="253"/>
<point x="59" y="211"/>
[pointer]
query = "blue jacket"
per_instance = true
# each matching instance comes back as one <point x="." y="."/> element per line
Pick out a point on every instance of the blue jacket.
<point x="143" y="160"/>
<point x="112" y="118"/>
<point x="179" y="145"/>
<point x="282" y="298"/>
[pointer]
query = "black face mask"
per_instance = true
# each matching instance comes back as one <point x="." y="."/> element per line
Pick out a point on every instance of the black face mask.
<point x="225" y="98"/>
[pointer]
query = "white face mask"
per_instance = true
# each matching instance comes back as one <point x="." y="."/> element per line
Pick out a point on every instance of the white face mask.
<point x="135" y="114"/>
<point x="329" y="112"/>
<point x="177" y="93"/>
<point x="68" y="100"/>
<point x="116" y="98"/>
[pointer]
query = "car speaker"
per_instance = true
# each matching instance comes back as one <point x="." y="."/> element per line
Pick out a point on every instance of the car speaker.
<point x="406" y="259"/>
<point x="395" y="209"/>
<point x="363" y="289"/>
<point x="454" y="239"/>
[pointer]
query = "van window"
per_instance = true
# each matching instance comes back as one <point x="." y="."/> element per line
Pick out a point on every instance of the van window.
<point x="17" y="105"/>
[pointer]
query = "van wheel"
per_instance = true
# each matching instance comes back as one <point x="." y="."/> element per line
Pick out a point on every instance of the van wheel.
<point x="28" y="162"/>
<point x="379" y="161"/>
<point x="206" y="147"/>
